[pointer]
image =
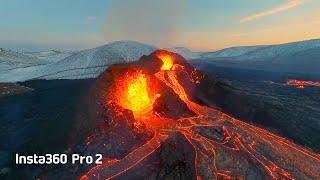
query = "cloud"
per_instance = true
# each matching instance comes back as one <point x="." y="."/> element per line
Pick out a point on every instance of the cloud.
<point x="281" y="8"/>
<point x="91" y="18"/>
<point x="314" y="22"/>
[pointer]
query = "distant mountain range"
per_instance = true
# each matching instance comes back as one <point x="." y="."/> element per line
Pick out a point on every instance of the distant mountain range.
<point x="297" y="57"/>
<point x="10" y="60"/>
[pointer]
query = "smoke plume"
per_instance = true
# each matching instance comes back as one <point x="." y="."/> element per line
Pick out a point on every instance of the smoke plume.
<point x="149" y="21"/>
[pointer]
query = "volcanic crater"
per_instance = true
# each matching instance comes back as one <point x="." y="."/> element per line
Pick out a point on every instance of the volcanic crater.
<point x="156" y="119"/>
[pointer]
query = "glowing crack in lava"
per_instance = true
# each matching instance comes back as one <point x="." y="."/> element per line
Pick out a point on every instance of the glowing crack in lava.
<point x="224" y="147"/>
<point x="134" y="94"/>
<point x="300" y="84"/>
<point x="167" y="60"/>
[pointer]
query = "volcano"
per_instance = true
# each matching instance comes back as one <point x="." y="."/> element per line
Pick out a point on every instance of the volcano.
<point x="154" y="123"/>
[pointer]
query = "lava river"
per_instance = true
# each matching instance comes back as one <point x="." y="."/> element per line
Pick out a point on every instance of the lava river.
<point x="300" y="84"/>
<point x="157" y="95"/>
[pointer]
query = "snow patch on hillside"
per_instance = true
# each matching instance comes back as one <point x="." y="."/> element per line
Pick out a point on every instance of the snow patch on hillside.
<point x="84" y="64"/>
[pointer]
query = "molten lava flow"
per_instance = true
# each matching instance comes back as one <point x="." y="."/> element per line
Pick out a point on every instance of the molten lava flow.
<point x="135" y="94"/>
<point x="241" y="146"/>
<point x="167" y="60"/>
<point x="300" y="84"/>
<point x="138" y="95"/>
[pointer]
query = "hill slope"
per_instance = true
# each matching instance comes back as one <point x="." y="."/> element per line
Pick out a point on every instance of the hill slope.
<point x="298" y="57"/>
<point x="84" y="64"/>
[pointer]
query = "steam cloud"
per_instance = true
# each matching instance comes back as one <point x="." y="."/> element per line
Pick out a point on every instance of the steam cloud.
<point x="150" y="21"/>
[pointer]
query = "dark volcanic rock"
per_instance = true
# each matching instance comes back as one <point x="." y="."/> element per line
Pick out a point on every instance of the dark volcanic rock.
<point x="174" y="160"/>
<point x="8" y="89"/>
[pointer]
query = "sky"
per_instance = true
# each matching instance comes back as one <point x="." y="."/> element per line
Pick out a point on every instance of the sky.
<point x="200" y="25"/>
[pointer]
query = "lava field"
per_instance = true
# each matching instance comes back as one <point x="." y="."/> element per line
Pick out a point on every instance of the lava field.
<point x="155" y="121"/>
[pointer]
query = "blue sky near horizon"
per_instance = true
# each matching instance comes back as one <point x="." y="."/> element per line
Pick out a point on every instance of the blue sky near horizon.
<point x="199" y="25"/>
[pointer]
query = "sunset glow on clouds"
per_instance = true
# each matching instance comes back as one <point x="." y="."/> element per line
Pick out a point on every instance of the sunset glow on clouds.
<point x="199" y="25"/>
<point x="283" y="7"/>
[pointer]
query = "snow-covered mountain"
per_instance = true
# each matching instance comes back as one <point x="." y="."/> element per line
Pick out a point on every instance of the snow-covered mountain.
<point x="51" y="55"/>
<point x="84" y="64"/>
<point x="185" y="52"/>
<point x="10" y="60"/>
<point x="263" y="52"/>
<point x="230" y="52"/>
<point x="297" y="57"/>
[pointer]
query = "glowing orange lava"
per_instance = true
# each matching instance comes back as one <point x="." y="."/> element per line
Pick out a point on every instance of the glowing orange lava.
<point x="244" y="144"/>
<point x="135" y="94"/>
<point x="166" y="59"/>
<point x="300" y="84"/>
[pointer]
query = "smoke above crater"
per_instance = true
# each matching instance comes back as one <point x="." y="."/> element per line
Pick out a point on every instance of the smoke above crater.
<point x="149" y="21"/>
